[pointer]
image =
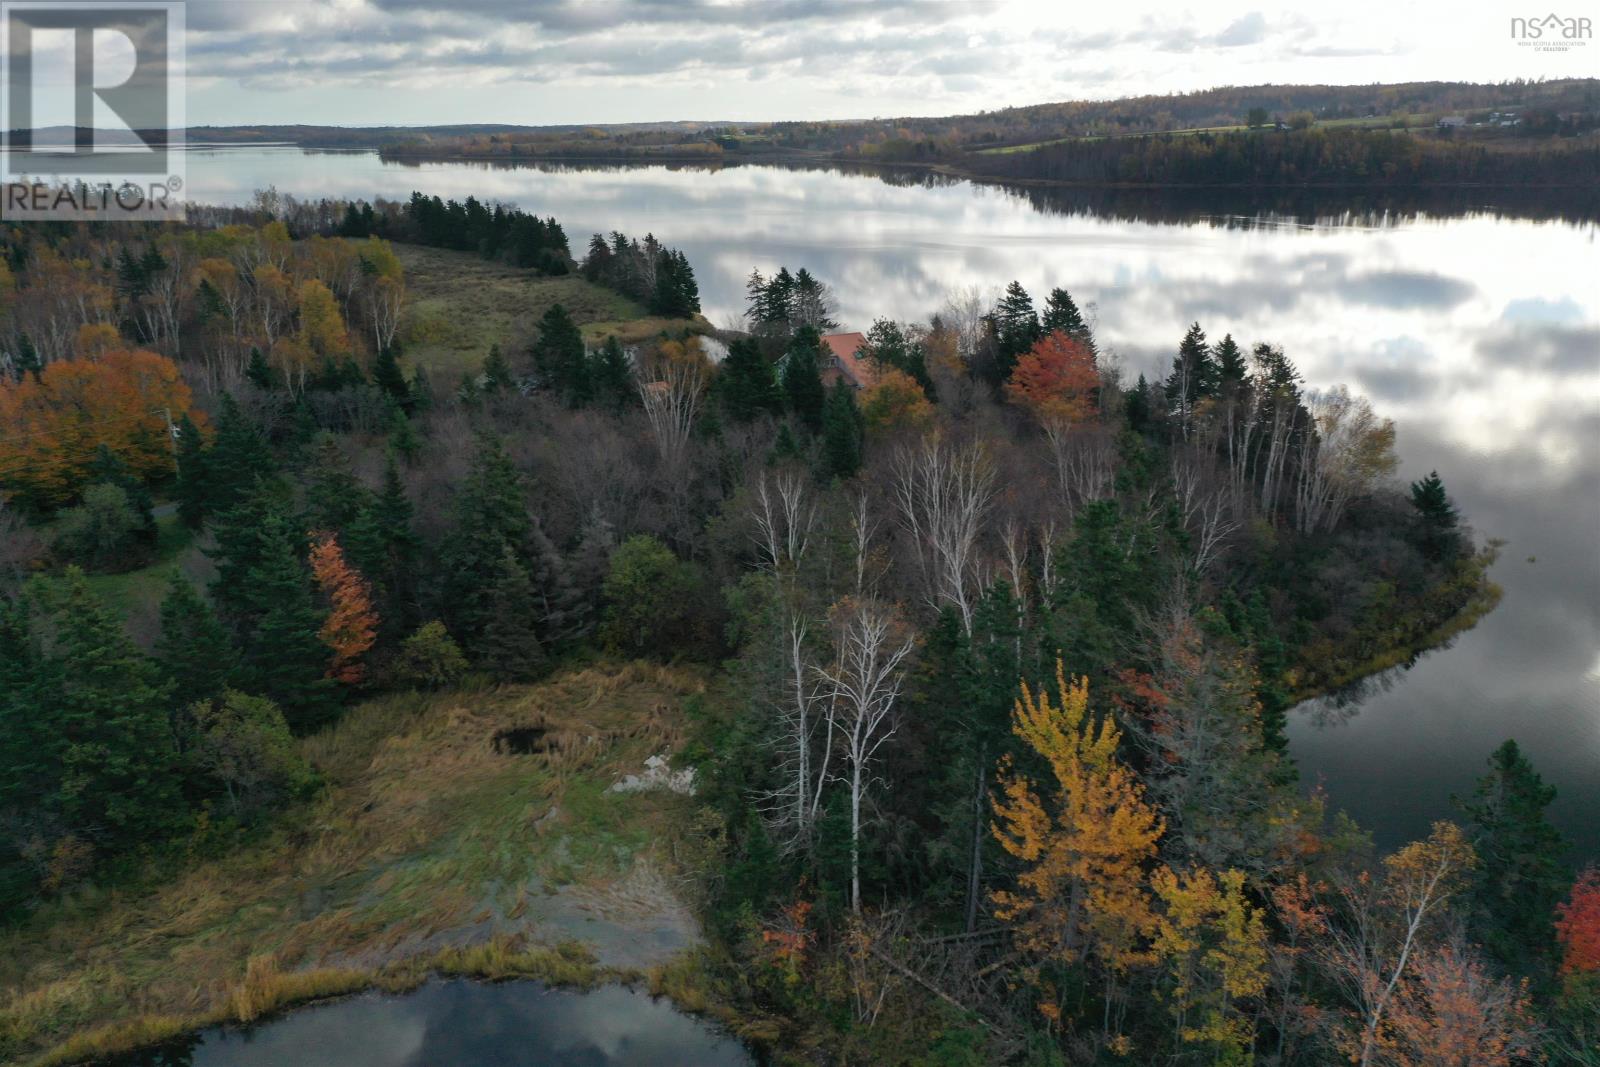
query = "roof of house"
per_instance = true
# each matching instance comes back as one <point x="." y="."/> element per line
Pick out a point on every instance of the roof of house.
<point x="843" y="346"/>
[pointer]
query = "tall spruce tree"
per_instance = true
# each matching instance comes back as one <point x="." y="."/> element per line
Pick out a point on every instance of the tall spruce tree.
<point x="108" y="710"/>
<point x="1194" y="377"/>
<point x="509" y="646"/>
<point x="283" y="657"/>
<point x="496" y="372"/>
<point x="842" y="428"/>
<point x="491" y="517"/>
<point x="745" y="383"/>
<point x="1437" y="520"/>
<point x="334" y="495"/>
<point x="237" y="458"/>
<point x="559" y="356"/>
<point x="384" y="547"/>
<point x="193" y="489"/>
<point x="259" y="373"/>
<point x="193" y="651"/>
<point x="1521" y="874"/>
<point x="1061" y="314"/>
<point x="803" y="391"/>
<point x="388" y="377"/>
<point x="611" y="376"/>
<point x="1016" y="329"/>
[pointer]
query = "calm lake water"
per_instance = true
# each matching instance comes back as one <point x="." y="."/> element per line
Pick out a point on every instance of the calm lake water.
<point x="1479" y="335"/>
<point x="465" y="1024"/>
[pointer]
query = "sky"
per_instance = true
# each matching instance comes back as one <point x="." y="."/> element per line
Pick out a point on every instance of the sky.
<point x="419" y="62"/>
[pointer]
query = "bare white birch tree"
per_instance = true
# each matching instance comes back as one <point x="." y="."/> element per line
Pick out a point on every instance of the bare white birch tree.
<point x="944" y="493"/>
<point x="862" y="686"/>
<point x="803" y="740"/>
<point x="784" y="519"/>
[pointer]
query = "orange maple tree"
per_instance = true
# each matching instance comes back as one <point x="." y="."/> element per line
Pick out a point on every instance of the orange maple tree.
<point x="1057" y="380"/>
<point x="352" y="624"/>
<point x="1578" y="926"/>
<point x="51" y="426"/>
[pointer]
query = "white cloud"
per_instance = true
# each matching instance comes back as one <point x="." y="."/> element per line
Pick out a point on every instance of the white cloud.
<point x="422" y="61"/>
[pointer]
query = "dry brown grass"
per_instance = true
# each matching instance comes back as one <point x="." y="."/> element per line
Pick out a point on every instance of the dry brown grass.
<point x="425" y="842"/>
<point x="458" y="305"/>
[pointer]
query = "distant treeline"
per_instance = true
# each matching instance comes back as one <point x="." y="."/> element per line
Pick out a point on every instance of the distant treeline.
<point x="594" y="143"/>
<point x="1294" y="157"/>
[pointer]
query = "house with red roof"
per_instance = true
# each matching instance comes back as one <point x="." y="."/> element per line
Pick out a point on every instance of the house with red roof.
<point x="846" y="361"/>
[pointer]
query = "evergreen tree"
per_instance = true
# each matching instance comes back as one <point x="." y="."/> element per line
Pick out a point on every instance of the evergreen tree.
<point x="496" y="372"/>
<point x="387" y="375"/>
<point x="745" y="383"/>
<point x="107" y="709"/>
<point x="509" y="647"/>
<point x="1194" y="377"/>
<point x="384" y="547"/>
<point x="1437" y="519"/>
<point x="402" y="437"/>
<point x="1520" y="875"/>
<point x="1016" y="329"/>
<point x="284" y="659"/>
<point x="491" y="517"/>
<point x="259" y="373"/>
<point x="421" y="392"/>
<point x="611" y="376"/>
<point x="803" y="390"/>
<point x="334" y="495"/>
<point x="1232" y="370"/>
<point x="238" y="457"/>
<point x="842" y="428"/>
<point x="1137" y="406"/>
<point x="677" y="294"/>
<point x="563" y="613"/>
<point x="240" y="535"/>
<point x="194" y="485"/>
<point x="193" y="650"/>
<point x="29" y="749"/>
<point x="559" y="356"/>
<point x="1061" y="314"/>
<point x="27" y="360"/>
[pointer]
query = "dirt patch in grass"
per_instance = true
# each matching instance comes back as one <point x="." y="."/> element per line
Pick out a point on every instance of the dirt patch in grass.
<point x="459" y="304"/>
<point x="426" y="842"/>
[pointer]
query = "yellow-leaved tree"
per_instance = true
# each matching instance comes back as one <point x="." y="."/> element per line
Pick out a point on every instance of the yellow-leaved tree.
<point x="1081" y="895"/>
<point x="1214" y="945"/>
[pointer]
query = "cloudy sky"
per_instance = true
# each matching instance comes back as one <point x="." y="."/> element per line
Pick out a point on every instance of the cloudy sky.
<point x="561" y="61"/>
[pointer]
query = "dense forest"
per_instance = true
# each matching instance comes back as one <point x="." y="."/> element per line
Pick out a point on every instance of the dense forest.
<point x="997" y="644"/>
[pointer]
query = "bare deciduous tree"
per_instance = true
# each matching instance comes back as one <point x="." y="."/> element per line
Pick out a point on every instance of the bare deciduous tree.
<point x="783" y="518"/>
<point x="944" y="493"/>
<point x="671" y="390"/>
<point x="1085" y="461"/>
<point x="862" y="685"/>
<point x="1351" y="449"/>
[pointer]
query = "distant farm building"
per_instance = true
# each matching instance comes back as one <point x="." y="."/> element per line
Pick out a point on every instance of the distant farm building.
<point x="844" y="362"/>
<point x="1451" y="121"/>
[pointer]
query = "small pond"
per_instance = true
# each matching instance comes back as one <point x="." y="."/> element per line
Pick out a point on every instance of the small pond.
<point x="461" y="1023"/>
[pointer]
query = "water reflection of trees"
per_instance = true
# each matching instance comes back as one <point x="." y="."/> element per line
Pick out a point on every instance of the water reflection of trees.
<point x="1226" y="208"/>
<point x="1345" y="703"/>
